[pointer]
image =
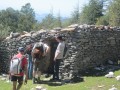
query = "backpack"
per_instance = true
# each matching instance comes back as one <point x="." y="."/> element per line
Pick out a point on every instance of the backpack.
<point x="15" y="65"/>
<point x="65" y="51"/>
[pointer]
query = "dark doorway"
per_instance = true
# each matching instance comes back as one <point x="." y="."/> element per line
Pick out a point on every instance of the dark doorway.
<point x="53" y="45"/>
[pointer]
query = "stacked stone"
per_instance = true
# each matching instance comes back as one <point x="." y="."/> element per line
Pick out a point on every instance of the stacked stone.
<point x="72" y="36"/>
<point x="14" y="43"/>
<point x="4" y="58"/>
<point x="88" y="46"/>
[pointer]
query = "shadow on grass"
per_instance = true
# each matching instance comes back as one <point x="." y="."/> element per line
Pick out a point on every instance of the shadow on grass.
<point x="100" y="71"/>
<point x="51" y="83"/>
<point x="62" y="82"/>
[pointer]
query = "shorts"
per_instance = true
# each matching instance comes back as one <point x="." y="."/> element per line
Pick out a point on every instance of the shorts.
<point x="41" y="65"/>
<point x="38" y="66"/>
<point x="17" y="78"/>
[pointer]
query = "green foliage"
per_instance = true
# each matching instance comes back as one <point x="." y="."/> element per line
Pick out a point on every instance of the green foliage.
<point x="95" y="12"/>
<point x="104" y="20"/>
<point x="18" y="21"/>
<point x="67" y="22"/>
<point x="8" y="18"/>
<point x="27" y="18"/>
<point x="85" y="15"/>
<point x="4" y="31"/>
<point x="114" y="13"/>
<point x="48" y="22"/>
<point x="58" y="22"/>
<point x="75" y="15"/>
<point x="37" y="26"/>
<point x="91" y="12"/>
<point x="89" y="83"/>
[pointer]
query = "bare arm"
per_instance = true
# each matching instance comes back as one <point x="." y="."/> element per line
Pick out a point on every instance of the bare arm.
<point x="47" y="50"/>
<point x="56" y="55"/>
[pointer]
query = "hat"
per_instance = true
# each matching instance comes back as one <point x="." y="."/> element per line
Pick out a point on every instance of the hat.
<point x="21" y="49"/>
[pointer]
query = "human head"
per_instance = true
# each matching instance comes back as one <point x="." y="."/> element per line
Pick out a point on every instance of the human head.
<point x="59" y="38"/>
<point x="21" y="50"/>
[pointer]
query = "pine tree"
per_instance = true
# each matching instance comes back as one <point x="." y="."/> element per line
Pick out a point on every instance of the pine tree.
<point x="91" y="12"/>
<point x="114" y="13"/>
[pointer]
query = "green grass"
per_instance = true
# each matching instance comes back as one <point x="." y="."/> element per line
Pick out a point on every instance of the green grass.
<point x="90" y="83"/>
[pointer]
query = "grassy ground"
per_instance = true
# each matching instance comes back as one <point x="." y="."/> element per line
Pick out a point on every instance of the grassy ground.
<point x="89" y="83"/>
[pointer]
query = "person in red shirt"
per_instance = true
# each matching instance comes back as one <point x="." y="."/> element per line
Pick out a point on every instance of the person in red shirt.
<point x="19" y="77"/>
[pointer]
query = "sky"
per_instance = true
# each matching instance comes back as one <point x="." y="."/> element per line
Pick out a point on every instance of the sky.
<point x="65" y="7"/>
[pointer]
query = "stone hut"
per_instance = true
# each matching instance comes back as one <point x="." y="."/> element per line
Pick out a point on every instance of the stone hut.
<point x="88" y="46"/>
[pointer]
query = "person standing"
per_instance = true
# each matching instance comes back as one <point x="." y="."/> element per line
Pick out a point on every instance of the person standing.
<point x="40" y="59"/>
<point x="30" y="64"/>
<point x="58" y="57"/>
<point x="18" y="77"/>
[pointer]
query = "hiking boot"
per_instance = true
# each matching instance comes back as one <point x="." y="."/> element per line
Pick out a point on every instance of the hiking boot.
<point x="53" y="79"/>
<point x="38" y="80"/>
<point x="58" y="80"/>
<point x="47" y="76"/>
<point x="34" y="80"/>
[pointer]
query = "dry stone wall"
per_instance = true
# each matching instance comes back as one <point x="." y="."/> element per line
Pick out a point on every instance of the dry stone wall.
<point x="87" y="46"/>
<point x="4" y="58"/>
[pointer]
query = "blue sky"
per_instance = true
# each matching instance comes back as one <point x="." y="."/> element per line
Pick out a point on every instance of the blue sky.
<point x="45" y="6"/>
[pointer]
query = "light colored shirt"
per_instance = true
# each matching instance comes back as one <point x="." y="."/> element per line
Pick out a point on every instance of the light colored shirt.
<point x="45" y="46"/>
<point x="60" y="50"/>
